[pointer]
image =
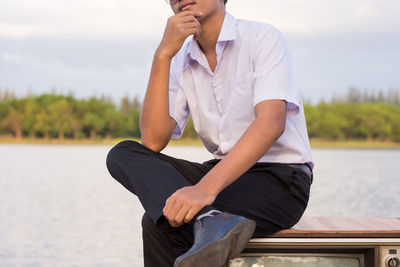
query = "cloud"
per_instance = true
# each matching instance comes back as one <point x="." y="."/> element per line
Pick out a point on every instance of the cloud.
<point x="99" y="70"/>
<point x="19" y="31"/>
<point x="128" y="19"/>
<point x="325" y="17"/>
<point x="12" y="57"/>
<point x="86" y="19"/>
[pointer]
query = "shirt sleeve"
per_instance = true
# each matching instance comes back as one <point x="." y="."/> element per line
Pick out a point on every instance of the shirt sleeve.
<point x="178" y="107"/>
<point x="274" y="72"/>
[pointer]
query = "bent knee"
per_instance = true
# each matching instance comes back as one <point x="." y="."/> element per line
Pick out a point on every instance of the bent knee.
<point x="117" y="152"/>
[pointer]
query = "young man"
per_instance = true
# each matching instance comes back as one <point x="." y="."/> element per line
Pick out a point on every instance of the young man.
<point x="237" y="80"/>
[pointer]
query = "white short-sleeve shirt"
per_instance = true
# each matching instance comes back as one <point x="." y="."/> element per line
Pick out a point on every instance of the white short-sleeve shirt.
<point x="253" y="65"/>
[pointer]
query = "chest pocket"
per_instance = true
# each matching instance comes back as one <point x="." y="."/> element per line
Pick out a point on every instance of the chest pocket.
<point x="241" y="97"/>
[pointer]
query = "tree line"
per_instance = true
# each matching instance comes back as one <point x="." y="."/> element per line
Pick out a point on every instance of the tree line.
<point x="357" y="115"/>
<point x="58" y="116"/>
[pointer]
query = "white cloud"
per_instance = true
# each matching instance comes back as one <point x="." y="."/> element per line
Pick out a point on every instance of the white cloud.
<point x="319" y="16"/>
<point x="129" y="19"/>
<point x="100" y="19"/>
<point x="26" y="70"/>
<point x="12" y="57"/>
<point x="19" y="31"/>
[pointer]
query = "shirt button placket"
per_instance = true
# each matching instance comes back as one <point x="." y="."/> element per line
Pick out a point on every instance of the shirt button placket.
<point x="220" y="107"/>
<point x="216" y="86"/>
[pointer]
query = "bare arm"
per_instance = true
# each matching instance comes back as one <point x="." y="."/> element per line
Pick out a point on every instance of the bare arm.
<point x="268" y="126"/>
<point x="156" y="126"/>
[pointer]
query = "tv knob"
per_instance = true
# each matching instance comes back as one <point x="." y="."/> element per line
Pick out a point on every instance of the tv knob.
<point x="392" y="261"/>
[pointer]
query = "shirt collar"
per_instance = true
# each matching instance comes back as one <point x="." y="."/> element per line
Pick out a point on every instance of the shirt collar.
<point x="228" y="29"/>
<point x="227" y="33"/>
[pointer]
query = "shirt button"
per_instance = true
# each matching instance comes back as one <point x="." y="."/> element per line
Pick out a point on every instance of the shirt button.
<point x="215" y="83"/>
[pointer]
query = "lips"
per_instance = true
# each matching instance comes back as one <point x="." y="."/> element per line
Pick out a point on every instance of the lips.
<point x="185" y="6"/>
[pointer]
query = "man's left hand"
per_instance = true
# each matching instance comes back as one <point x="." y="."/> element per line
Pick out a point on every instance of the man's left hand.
<point x="185" y="203"/>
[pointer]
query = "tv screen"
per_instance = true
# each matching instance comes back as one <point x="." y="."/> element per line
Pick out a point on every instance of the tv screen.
<point x="297" y="261"/>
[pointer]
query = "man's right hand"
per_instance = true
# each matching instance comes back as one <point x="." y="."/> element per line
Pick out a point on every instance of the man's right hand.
<point x="178" y="28"/>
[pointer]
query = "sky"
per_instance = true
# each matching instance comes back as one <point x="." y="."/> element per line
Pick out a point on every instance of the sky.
<point x="94" y="47"/>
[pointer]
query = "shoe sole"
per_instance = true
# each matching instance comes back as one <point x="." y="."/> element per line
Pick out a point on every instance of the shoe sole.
<point x="230" y="245"/>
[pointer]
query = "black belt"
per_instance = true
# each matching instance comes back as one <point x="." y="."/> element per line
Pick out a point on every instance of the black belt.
<point x="304" y="168"/>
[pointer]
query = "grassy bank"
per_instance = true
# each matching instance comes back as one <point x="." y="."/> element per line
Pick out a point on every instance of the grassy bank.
<point x="86" y="141"/>
<point x="315" y="143"/>
<point x="359" y="144"/>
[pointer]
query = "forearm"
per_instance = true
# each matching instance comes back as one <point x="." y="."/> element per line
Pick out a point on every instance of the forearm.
<point x="156" y="126"/>
<point x="253" y="144"/>
<point x="154" y="119"/>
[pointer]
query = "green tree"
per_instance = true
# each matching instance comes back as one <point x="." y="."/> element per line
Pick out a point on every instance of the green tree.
<point x="43" y="123"/>
<point x="13" y="121"/>
<point x="125" y="105"/>
<point x="31" y="108"/>
<point x="93" y="123"/>
<point x="131" y="123"/>
<point x="76" y="127"/>
<point x="113" y="122"/>
<point x="61" y="117"/>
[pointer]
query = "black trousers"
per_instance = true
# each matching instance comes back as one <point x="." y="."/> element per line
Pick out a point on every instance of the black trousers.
<point x="272" y="194"/>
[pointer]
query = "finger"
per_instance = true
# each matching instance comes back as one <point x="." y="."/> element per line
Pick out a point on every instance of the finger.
<point x="198" y="23"/>
<point x="187" y="19"/>
<point x="175" y="210"/>
<point x="191" y="213"/>
<point x="191" y="30"/>
<point x="179" y="218"/>
<point x="194" y="31"/>
<point x="189" y="22"/>
<point x="169" y="204"/>
<point x="189" y="25"/>
<point x="173" y="223"/>
<point x="188" y="12"/>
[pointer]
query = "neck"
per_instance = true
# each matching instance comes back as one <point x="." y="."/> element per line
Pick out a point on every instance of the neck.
<point x="210" y="29"/>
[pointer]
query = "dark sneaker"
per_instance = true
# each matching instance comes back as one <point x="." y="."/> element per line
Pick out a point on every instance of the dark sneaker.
<point x="216" y="239"/>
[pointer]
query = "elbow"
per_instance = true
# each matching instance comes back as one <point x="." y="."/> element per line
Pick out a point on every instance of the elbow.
<point x="152" y="145"/>
<point x="272" y="133"/>
<point x="271" y="129"/>
<point x="278" y="130"/>
<point x="149" y="140"/>
<point x="153" y="139"/>
<point x="281" y="129"/>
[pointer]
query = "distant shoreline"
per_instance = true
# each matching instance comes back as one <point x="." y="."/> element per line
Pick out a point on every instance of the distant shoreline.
<point x="358" y="144"/>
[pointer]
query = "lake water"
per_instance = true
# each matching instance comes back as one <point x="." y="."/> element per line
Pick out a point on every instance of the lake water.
<point x="60" y="207"/>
